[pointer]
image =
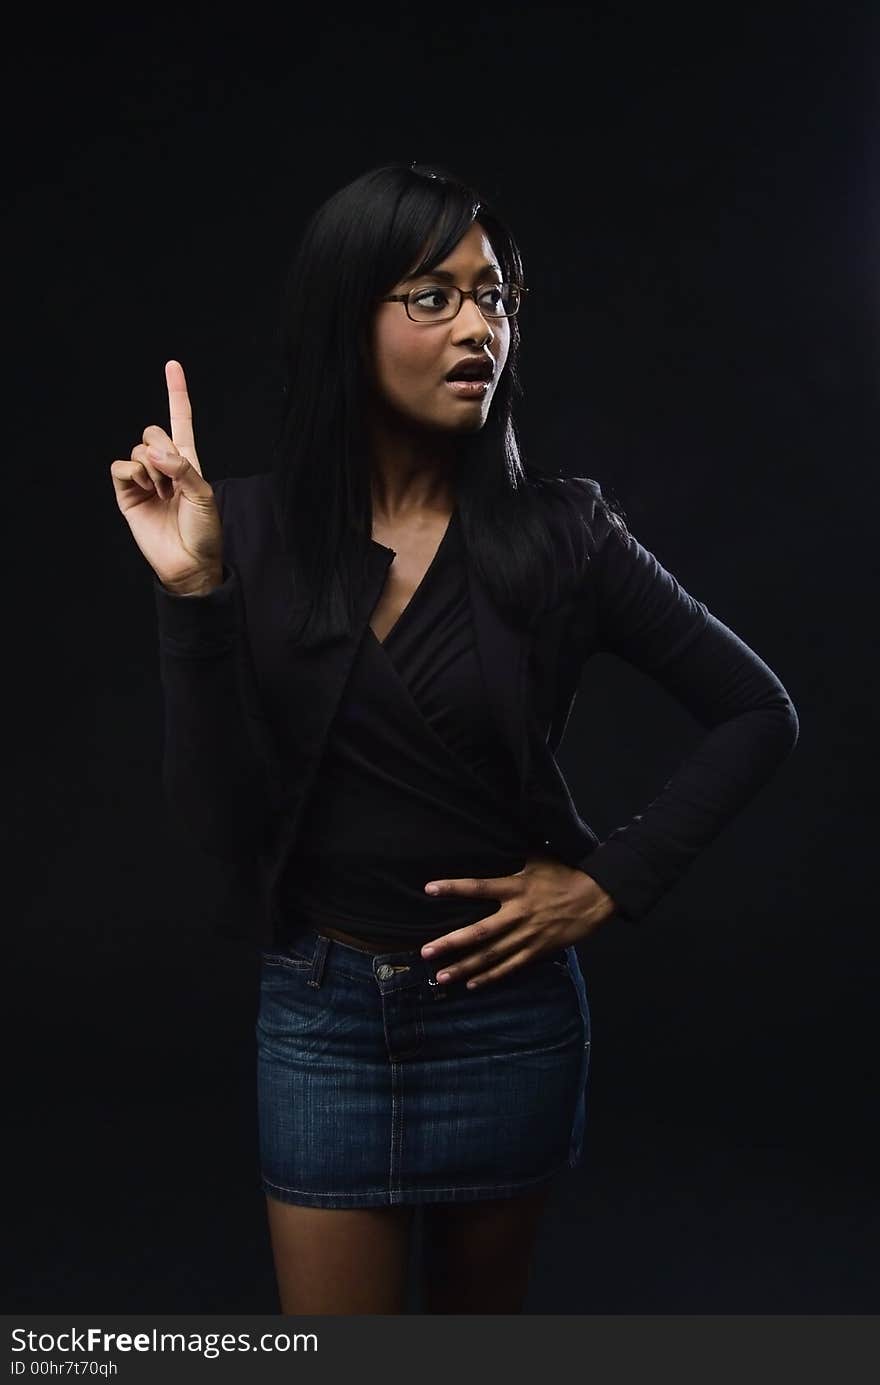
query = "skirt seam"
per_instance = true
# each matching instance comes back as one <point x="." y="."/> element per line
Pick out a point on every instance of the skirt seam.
<point x="389" y="1195"/>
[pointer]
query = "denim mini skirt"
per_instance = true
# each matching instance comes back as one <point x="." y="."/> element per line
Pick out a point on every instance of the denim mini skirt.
<point x="378" y="1085"/>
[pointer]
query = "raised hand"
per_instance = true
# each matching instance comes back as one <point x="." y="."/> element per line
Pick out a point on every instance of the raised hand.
<point x="168" y="504"/>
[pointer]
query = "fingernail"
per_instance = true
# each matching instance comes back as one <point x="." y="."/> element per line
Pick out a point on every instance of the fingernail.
<point x="432" y="889"/>
<point x="427" y="952"/>
<point x="443" y="976"/>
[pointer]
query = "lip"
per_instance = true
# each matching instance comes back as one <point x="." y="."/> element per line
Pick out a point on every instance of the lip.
<point x="468" y="389"/>
<point x="485" y="363"/>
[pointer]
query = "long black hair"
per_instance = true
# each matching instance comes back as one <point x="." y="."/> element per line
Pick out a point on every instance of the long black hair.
<point x="355" y="247"/>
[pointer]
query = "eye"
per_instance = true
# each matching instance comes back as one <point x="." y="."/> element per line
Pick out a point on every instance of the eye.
<point x="491" y="296"/>
<point x="431" y="299"/>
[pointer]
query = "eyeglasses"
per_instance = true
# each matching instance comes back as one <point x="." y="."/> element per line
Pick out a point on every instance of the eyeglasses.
<point x="439" y="302"/>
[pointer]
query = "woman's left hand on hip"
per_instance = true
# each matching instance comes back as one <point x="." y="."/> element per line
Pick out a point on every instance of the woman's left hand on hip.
<point x="545" y="906"/>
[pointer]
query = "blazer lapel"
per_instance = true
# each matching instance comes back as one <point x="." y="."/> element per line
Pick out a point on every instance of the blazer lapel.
<point x="323" y="672"/>
<point x="321" y="675"/>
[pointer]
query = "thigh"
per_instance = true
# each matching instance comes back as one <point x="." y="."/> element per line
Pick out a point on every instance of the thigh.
<point x="476" y="1255"/>
<point x="330" y="1260"/>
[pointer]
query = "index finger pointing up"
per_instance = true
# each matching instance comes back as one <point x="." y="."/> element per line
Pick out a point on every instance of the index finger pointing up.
<point x="180" y="410"/>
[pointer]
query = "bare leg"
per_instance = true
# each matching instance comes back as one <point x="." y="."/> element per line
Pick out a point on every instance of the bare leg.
<point x="330" y="1260"/>
<point x="476" y="1254"/>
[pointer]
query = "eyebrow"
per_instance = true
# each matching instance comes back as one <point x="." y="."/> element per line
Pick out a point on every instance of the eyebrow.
<point x="446" y="274"/>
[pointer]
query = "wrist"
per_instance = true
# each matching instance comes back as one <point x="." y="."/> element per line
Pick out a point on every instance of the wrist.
<point x="197" y="586"/>
<point x="606" y="907"/>
<point x="600" y="905"/>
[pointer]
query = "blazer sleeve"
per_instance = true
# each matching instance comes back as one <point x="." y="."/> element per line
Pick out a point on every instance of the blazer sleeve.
<point x="219" y="772"/>
<point x="645" y="616"/>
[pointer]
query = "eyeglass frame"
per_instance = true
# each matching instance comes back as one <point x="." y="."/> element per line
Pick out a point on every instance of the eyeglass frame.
<point x="463" y="294"/>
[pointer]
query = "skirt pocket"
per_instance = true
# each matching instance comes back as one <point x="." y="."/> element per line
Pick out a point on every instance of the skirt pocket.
<point x="532" y="1009"/>
<point x="294" y="1017"/>
<point x="275" y="961"/>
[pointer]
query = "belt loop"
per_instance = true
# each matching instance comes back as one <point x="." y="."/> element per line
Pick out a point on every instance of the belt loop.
<point x="322" y="946"/>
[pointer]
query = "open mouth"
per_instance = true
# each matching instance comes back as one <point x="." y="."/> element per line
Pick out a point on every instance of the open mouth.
<point x="471" y="376"/>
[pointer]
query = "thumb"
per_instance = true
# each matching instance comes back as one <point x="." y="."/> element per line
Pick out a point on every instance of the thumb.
<point x="185" y="478"/>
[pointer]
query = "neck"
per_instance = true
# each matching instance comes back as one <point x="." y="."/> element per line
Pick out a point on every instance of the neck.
<point x="412" y="471"/>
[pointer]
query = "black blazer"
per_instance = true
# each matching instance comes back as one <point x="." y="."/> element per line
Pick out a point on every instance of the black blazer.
<point x="247" y="714"/>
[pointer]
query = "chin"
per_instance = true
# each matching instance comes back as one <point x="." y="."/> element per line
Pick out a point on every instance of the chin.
<point x="454" y="423"/>
<point x="452" y="427"/>
<point x="463" y="426"/>
<point x="466" y="420"/>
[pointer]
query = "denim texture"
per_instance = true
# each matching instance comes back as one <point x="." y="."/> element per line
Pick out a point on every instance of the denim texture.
<point x="377" y="1085"/>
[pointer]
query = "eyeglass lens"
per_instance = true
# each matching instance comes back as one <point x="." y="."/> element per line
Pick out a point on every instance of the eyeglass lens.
<point x="438" y="301"/>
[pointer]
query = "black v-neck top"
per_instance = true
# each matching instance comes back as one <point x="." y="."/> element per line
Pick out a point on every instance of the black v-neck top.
<point x="415" y="783"/>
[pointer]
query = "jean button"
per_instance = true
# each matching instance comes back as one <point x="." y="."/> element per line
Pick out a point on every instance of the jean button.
<point x="384" y="971"/>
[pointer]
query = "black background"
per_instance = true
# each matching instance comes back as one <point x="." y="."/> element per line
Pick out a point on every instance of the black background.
<point x="695" y="194"/>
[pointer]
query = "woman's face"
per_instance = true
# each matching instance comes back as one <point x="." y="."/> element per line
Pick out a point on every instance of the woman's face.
<point x="410" y="360"/>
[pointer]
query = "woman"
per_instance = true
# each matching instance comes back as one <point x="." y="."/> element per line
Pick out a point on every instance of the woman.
<point x="368" y="656"/>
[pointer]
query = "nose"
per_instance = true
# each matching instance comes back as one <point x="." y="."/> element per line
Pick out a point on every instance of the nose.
<point x="470" y="324"/>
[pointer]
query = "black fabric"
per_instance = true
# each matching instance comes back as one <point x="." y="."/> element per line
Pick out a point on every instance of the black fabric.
<point x="248" y="716"/>
<point x="414" y="783"/>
